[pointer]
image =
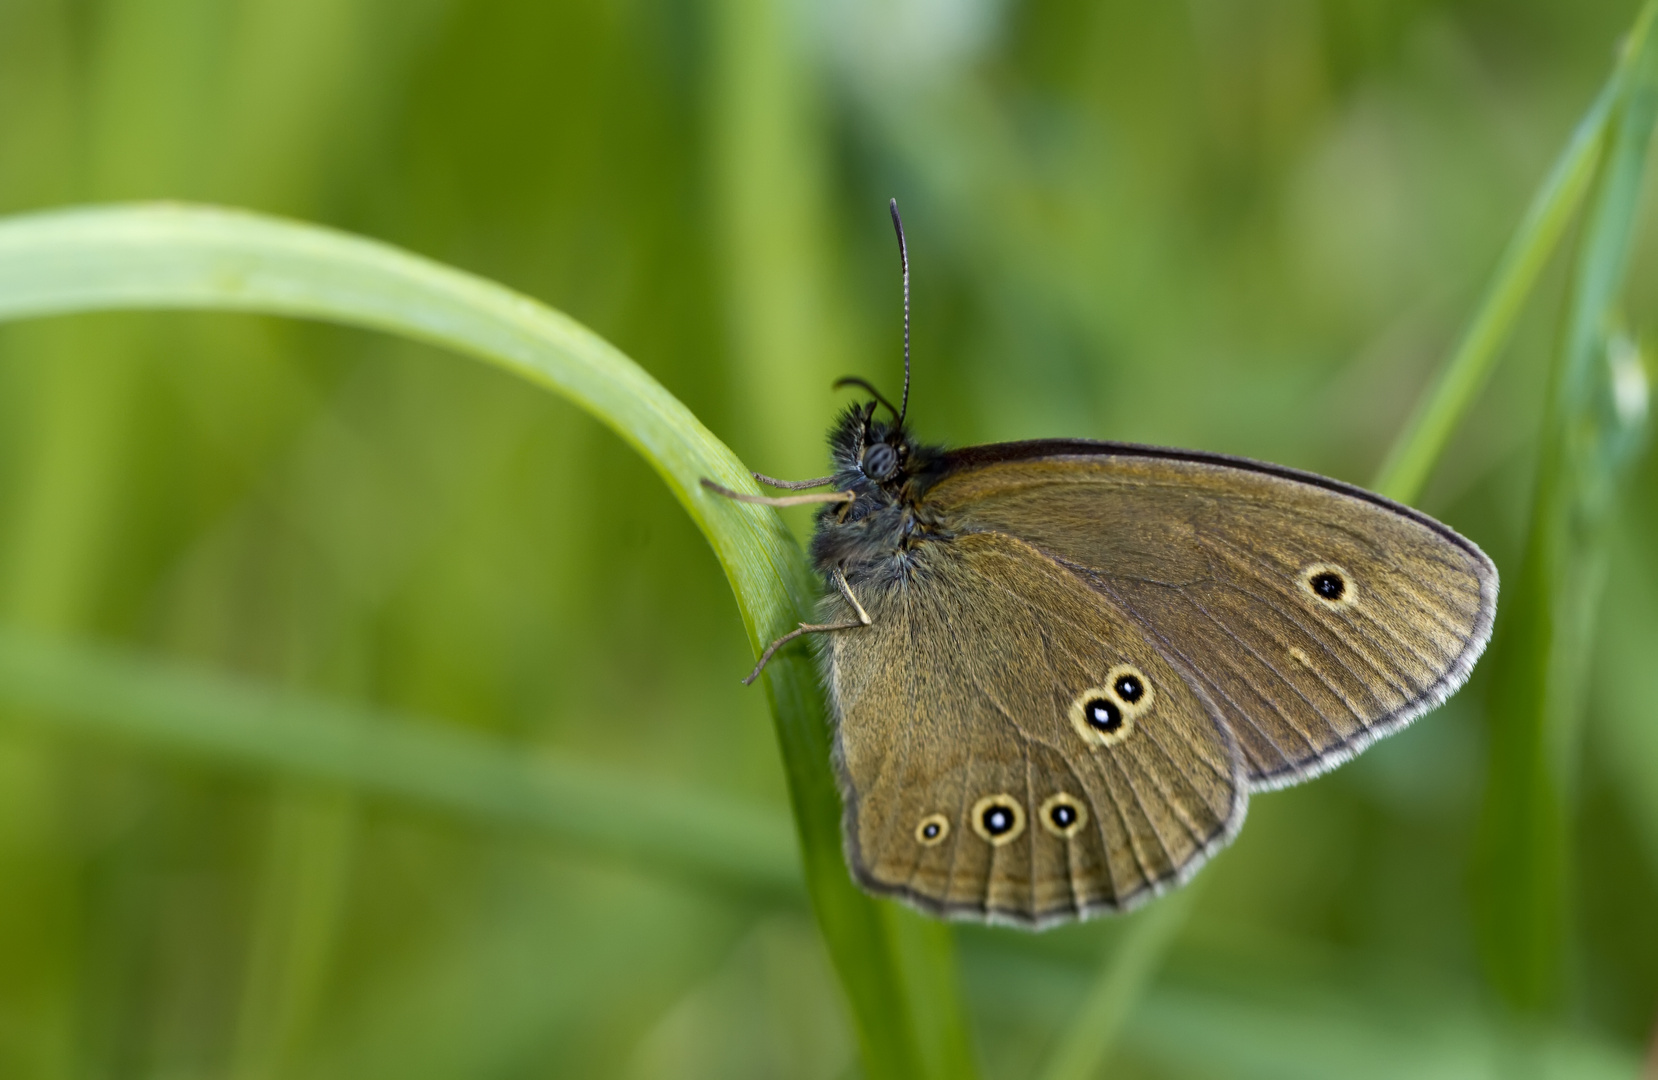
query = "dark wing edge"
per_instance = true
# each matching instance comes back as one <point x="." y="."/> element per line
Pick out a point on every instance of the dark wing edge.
<point x="984" y="914"/>
<point x="973" y="457"/>
<point x="1447" y="684"/>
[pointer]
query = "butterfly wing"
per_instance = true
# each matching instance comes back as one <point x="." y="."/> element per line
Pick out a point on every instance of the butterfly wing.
<point x="1315" y="616"/>
<point x="975" y="784"/>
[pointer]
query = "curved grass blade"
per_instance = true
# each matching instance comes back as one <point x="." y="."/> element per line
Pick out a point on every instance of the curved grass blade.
<point x="175" y="256"/>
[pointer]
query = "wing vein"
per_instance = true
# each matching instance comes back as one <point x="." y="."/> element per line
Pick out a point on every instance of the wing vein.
<point x="1195" y="672"/>
<point x="1370" y="660"/>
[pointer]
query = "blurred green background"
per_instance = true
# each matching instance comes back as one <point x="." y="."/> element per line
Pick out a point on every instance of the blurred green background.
<point x="1251" y="227"/>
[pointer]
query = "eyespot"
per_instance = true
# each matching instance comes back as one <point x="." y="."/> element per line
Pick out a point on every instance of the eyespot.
<point x="932" y="830"/>
<point x="880" y="461"/>
<point x="1132" y="689"/>
<point x="1099" y="718"/>
<point x="1329" y="585"/>
<point x="1063" y="814"/>
<point x="998" y="819"/>
<point x="1104" y="715"/>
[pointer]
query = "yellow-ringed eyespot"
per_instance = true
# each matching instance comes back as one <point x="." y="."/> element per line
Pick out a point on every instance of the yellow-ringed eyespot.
<point x="1329" y="585"/>
<point x="1104" y="715"/>
<point x="932" y="830"/>
<point x="1063" y="814"/>
<point x="998" y="819"/>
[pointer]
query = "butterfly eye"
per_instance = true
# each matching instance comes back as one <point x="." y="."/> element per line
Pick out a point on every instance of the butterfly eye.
<point x="998" y="819"/>
<point x="932" y="830"/>
<point x="1063" y="814"/>
<point x="1329" y="584"/>
<point x="880" y="461"/>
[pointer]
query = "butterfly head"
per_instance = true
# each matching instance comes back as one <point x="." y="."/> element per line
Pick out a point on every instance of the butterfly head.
<point x="889" y="473"/>
<point x="874" y="456"/>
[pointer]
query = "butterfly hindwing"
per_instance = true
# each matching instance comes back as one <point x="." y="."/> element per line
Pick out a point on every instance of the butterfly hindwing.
<point x="958" y="710"/>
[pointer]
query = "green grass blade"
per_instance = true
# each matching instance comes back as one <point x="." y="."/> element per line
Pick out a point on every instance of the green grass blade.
<point x="928" y="951"/>
<point x="159" y="707"/>
<point x="172" y="256"/>
<point x="769" y="144"/>
<point x="1540" y="678"/>
<point x="1442" y="406"/>
<point x="1123" y="978"/>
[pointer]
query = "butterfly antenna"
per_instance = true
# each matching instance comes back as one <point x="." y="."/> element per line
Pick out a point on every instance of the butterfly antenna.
<point x="904" y="260"/>
<point x="853" y="380"/>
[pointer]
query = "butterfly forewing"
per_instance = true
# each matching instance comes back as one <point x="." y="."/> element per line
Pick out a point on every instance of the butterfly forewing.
<point x="1312" y="616"/>
<point x="975" y="784"/>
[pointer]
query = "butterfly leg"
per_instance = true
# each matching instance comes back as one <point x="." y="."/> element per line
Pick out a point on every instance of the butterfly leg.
<point x="813" y="628"/>
<point x="793" y="485"/>
<point x="846" y="591"/>
<point x="780" y="500"/>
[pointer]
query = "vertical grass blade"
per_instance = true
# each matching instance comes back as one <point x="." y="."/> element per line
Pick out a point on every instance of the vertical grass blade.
<point x="769" y="152"/>
<point x="1423" y="438"/>
<point x="1123" y="977"/>
<point x="927" y="951"/>
<point x="1537" y="698"/>
<point x="192" y="257"/>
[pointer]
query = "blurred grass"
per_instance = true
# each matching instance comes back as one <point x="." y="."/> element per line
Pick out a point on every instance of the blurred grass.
<point x="1122" y="980"/>
<point x="193" y="257"/>
<point x="178" y="712"/>
<point x="1551" y="614"/>
<point x="1250" y="230"/>
<point x="1418" y="446"/>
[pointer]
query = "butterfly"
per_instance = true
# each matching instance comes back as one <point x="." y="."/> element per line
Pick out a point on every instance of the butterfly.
<point x="1058" y="668"/>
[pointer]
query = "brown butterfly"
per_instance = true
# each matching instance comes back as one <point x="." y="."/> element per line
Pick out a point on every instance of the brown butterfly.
<point x="1058" y="668"/>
